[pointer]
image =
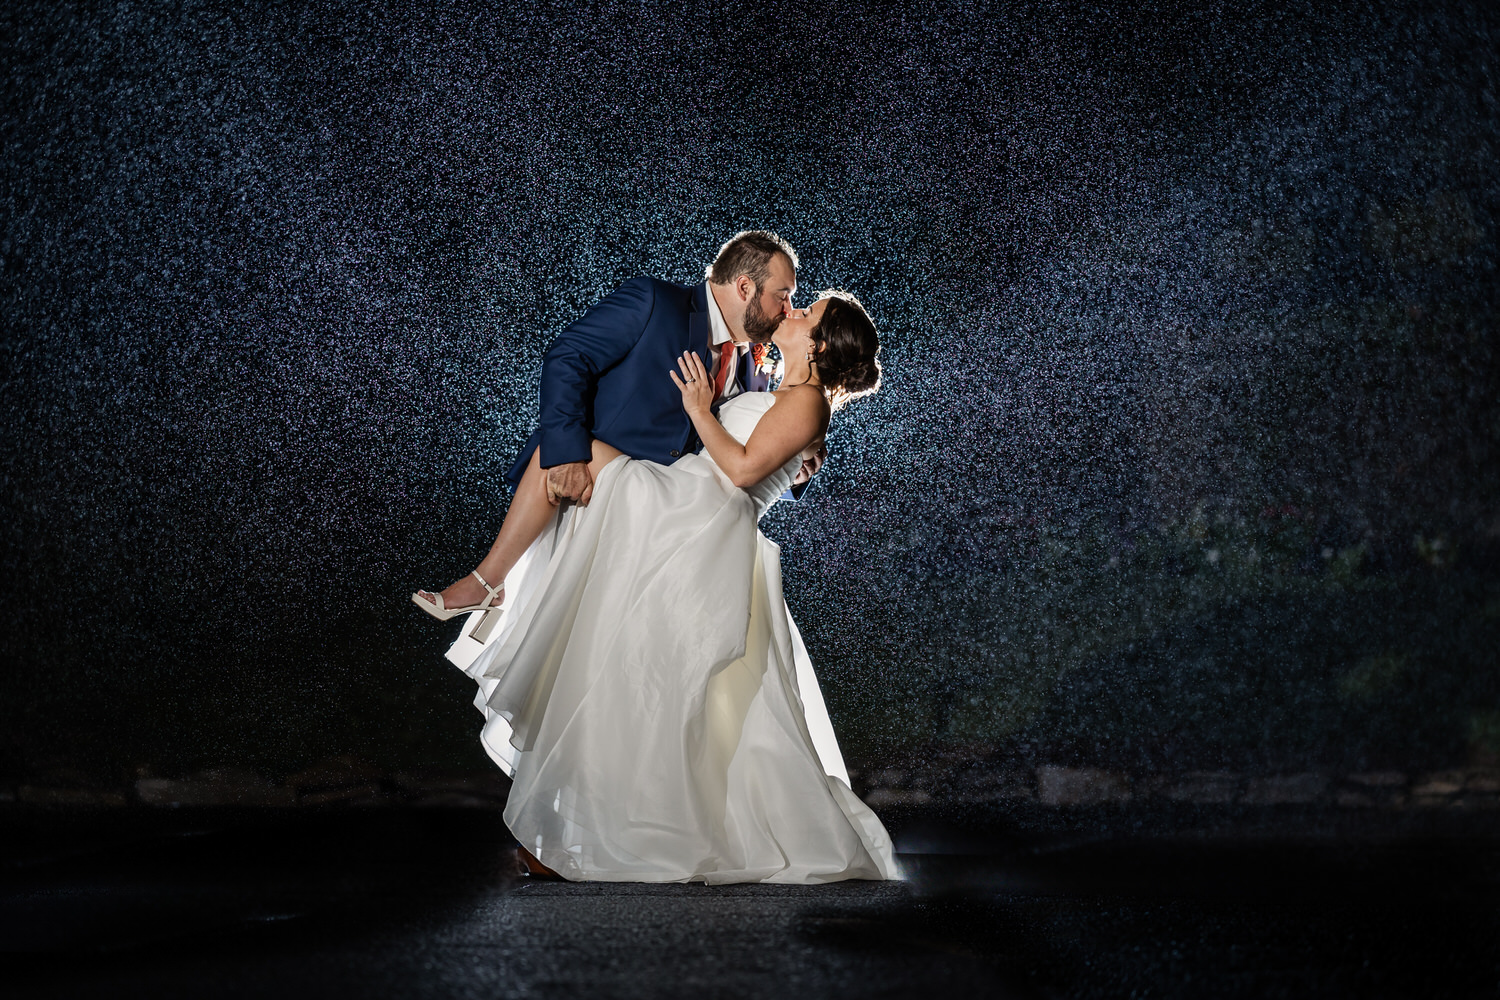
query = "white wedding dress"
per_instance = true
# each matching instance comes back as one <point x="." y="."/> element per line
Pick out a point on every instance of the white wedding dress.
<point x="649" y="694"/>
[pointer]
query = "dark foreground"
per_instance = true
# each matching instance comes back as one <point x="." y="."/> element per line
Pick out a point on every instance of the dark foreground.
<point x="417" y="903"/>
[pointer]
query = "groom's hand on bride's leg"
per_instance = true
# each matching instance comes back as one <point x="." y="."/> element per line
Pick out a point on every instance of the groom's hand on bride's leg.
<point x="569" y="482"/>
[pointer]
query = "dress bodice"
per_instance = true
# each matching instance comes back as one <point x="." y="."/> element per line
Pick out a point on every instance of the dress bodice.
<point x="739" y="417"/>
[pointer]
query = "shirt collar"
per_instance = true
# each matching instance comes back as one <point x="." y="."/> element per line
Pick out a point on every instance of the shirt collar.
<point x="716" y="320"/>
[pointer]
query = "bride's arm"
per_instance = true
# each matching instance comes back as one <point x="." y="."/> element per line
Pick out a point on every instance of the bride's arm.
<point x="797" y="419"/>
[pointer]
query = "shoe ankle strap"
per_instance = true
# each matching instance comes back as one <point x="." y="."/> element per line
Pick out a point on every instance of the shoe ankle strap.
<point x="486" y="586"/>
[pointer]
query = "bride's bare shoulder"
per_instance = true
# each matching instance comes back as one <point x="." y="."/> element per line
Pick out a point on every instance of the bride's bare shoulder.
<point x="807" y="401"/>
<point x="804" y="394"/>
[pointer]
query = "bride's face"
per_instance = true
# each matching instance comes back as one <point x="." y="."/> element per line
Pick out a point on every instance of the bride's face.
<point x="795" y="334"/>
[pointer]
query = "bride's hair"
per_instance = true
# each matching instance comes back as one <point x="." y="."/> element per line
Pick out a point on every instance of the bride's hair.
<point x="848" y="358"/>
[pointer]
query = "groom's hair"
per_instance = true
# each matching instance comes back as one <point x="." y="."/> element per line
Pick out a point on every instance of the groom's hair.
<point x="749" y="253"/>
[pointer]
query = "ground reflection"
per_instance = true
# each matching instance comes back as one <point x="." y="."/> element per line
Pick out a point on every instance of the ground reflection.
<point x="426" y="903"/>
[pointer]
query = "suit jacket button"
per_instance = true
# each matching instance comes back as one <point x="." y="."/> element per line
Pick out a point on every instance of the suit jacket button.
<point x="674" y="453"/>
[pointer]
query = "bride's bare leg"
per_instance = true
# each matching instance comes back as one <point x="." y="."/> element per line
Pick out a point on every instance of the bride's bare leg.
<point x="529" y="514"/>
<point x="603" y="455"/>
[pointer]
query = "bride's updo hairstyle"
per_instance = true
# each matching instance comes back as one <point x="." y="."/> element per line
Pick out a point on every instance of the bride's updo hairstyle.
<point x="848" y="356"/>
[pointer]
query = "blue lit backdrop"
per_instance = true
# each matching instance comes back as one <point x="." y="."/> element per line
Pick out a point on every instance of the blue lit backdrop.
<point x="1186" y="455"/>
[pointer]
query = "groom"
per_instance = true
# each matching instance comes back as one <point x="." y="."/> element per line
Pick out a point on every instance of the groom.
<point x="605" y="376"/>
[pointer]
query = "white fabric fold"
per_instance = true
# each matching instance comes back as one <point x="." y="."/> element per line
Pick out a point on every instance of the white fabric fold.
<point x="650" y="695"/>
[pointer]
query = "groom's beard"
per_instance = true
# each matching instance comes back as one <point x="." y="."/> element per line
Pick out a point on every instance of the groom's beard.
<point x="758" y="325"/>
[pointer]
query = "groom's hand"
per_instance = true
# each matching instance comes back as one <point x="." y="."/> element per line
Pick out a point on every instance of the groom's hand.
<point x="570" y="482"/>
<point x="811" y="465"/>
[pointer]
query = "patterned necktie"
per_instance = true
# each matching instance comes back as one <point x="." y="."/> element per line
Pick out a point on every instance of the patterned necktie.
<point x="726" y="358"/>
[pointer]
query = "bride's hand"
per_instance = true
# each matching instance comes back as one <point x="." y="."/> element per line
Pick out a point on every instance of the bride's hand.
<point x="697" y="388"/>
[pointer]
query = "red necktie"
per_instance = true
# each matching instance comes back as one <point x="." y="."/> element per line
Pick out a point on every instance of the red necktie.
<point x="726" y="357"/>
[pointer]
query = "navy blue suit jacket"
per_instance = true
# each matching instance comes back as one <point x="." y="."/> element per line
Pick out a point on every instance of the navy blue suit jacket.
<point x="606" y="376"/>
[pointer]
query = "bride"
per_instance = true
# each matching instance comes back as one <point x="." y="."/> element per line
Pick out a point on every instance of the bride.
<point x="643" y="682"/>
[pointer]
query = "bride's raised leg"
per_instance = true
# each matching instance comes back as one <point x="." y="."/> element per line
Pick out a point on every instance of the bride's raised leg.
<point x="530" y="512"/>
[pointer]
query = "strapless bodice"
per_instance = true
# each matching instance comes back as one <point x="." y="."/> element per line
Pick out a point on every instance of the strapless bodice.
<point x="739" y="417"/>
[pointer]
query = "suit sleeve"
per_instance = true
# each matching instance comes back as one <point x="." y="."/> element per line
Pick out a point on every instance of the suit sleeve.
<point x="570" y="371"/>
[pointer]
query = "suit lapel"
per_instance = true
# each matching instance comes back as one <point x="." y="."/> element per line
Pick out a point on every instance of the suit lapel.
<point x="700" y="331"/>
<point x="752" y="380"/>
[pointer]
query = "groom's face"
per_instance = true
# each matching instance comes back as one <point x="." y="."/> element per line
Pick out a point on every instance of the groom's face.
<point x="771" y="302"/>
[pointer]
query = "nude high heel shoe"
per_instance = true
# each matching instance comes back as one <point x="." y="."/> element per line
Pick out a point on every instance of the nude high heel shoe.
<point x="483" y="624"/>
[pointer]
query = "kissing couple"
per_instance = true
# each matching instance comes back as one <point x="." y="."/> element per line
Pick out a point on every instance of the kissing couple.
<point x="641" y="678"/>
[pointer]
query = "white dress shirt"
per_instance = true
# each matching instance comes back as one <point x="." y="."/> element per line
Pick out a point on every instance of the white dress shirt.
<point x="721" y="333"/>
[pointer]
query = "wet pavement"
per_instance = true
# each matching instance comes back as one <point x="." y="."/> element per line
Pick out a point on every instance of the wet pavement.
<point x="424" y="903"/>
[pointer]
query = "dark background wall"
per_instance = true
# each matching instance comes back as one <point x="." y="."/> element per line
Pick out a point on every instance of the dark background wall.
<point x="1187" y="451"/>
